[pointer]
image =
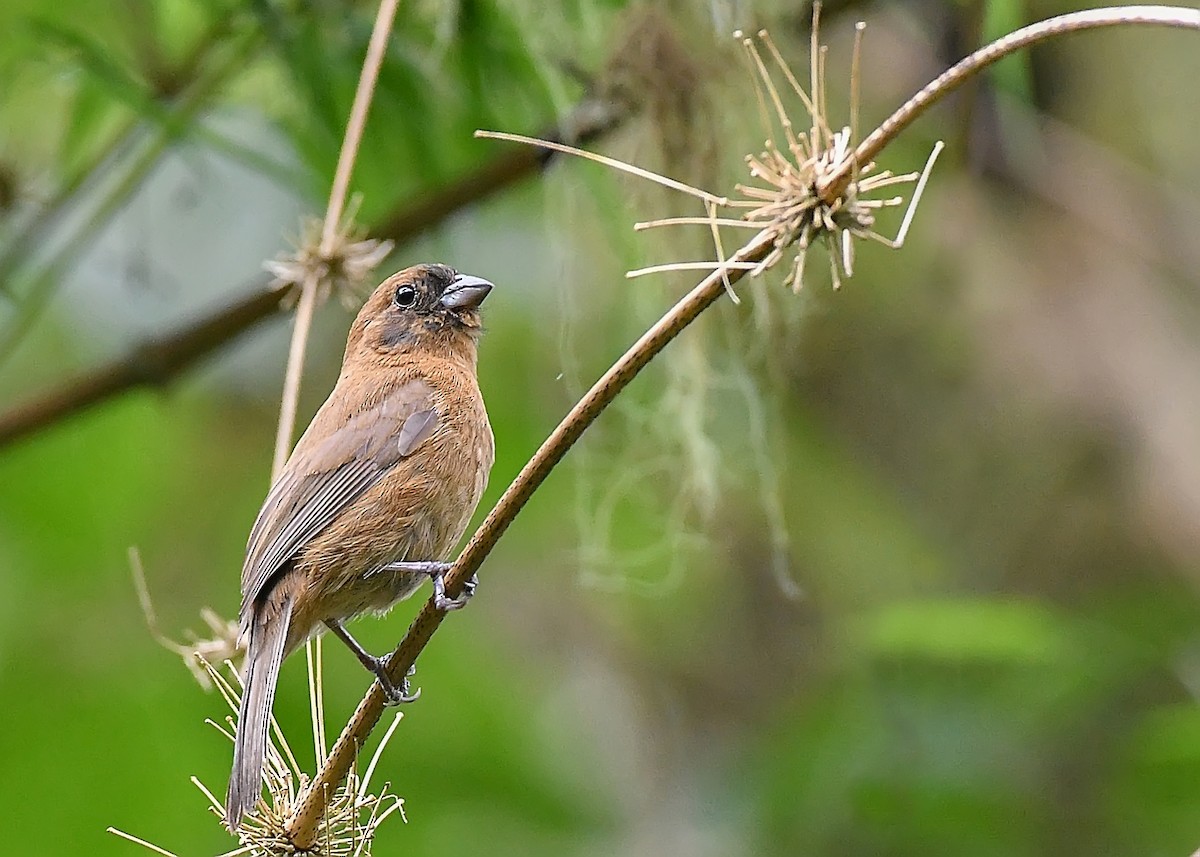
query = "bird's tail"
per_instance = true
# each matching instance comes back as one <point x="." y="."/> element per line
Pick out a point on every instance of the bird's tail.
<point x="268" y="634"/>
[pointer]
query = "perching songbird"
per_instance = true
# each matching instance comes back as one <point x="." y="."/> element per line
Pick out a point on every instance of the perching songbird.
<point x="376" y="493"/>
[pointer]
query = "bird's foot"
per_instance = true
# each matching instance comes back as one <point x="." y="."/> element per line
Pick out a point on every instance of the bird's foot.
<point x="378" y="666"/>
<point x="437" y="573"/>
<point x="444" y="602"/>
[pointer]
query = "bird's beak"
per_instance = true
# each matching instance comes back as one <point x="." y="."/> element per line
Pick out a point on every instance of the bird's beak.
<point x="466" y="292"/>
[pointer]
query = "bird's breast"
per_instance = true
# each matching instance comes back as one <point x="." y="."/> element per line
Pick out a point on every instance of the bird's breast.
<point x="417" y="511"/>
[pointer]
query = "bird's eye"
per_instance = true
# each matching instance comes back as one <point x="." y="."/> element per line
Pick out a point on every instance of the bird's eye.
<point x="405" y="296"/>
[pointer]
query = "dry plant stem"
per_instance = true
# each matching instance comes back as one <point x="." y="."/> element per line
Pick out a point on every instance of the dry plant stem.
<point x="291" y="378"/>
<point x="157" y="361"/>
<point x="311" y="804"/>
<point x="608" y="162"/>
<point x="333" y="216"/>
<point x="129" y="837"/>
<point x="835" y="183"/>
<point x="376" y="48"/>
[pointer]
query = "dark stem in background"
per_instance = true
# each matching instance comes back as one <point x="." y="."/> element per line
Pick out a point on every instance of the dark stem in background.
<point x="158" y="361"/>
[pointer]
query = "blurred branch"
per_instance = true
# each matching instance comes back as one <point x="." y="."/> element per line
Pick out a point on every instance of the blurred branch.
<point x="159" y="360"/>
<point x="311" y="803"/>
<point x="153" y="362"/>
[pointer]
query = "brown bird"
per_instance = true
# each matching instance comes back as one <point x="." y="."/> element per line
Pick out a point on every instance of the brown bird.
<point x="376" y="493"/>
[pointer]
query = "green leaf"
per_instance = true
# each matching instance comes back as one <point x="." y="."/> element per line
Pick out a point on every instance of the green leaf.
<point x="492" y="59"/>
<point x="305" y="46"/>
<point x="89" y="117"/>
<point x="969" y="629"/>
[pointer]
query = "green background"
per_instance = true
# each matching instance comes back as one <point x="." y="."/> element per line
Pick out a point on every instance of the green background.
<point x="909" y="568"/>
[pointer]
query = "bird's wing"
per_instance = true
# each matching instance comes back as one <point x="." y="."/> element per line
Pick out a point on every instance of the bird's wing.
<point x="327" y="470"/>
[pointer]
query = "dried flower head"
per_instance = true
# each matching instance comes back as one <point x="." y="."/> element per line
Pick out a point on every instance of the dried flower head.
<point x="343" y="268"/>
<point x="792" y="207"/>
<point x="353" y="816"/>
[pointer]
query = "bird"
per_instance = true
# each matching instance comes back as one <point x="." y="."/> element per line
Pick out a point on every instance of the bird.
<point x="379" y="488"/>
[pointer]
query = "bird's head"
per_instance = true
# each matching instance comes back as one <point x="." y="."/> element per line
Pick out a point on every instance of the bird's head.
<point x="425" y="307"/>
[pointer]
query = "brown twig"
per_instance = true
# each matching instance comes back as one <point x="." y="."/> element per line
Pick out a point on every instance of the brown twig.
<point x="152" y="363"/>
<point x="159" y="360"/>
<point x="311" y="803"/>
<point x="834" y="184"/>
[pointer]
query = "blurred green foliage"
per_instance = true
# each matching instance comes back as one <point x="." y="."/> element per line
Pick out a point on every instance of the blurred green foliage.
<point x="982" y="450"/>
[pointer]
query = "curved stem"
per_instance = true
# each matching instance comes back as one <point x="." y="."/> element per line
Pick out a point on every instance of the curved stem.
<point x="311" y="804"/>
<point x="833" y="185"/>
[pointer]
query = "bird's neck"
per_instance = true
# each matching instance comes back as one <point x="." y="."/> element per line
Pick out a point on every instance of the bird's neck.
<point x="458" y="347"/>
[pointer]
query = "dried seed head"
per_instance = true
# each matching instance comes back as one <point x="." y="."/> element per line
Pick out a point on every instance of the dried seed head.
<point x="344" y="269"/>
<point x="351" y="819"/>
<point x="350" y="823"/>
<point x="785" y="198"/>
<point x="784" y="203"/>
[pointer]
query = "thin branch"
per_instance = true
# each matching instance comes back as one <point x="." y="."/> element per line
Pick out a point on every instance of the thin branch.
<point x="138" y="841"/>
<point x="311" y="804"/>
<point x="152" y="363"/>
<point x="607" y="161"/>
<point x="834" y="184"/>
<point x="295" y="368"/>
<point x="158" y="361"/>
<point x="363" y="95"/>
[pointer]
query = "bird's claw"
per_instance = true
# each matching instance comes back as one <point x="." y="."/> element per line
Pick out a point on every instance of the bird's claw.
<point x="394" y="695"/>
<point x="437" y="573"/>
<point x="444" y="602"/>
<point x="377" y="666"/>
